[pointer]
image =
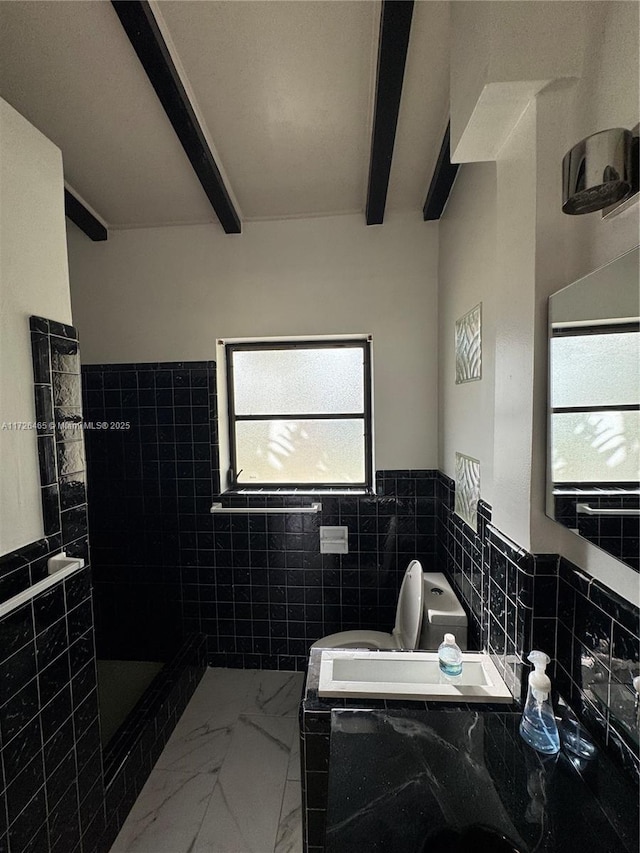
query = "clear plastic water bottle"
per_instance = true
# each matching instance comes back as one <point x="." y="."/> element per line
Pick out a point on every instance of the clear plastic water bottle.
<point x="450" y="657"/>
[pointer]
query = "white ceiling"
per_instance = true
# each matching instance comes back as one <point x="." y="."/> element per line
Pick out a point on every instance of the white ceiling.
<point x="284" y="89"/>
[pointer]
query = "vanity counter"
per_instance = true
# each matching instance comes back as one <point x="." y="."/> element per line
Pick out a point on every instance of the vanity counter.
<point x="400" y="780"/>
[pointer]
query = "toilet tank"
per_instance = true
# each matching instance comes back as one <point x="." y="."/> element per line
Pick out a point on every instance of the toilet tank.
<point x="442" y="613"/>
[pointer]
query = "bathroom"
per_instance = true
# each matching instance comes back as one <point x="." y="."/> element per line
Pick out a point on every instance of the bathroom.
<point x="174" y="584"/>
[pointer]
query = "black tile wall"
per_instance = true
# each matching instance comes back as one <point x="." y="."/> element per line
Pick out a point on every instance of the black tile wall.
<point x="51" y="780"/>
<point x="255" y="585"/>
<point x="619" y="535"/>
<point x="598" y="655"/>
<point x="150" y="473"/>
<point x="50" y="752"/>
<point x="517" y="601"/>
<point x="52" y="786"/>
<point x="258" y="587"/>
<point x="56" y="367"/>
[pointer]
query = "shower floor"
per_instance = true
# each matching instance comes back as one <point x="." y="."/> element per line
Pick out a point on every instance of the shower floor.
<point x="121" y="684"/>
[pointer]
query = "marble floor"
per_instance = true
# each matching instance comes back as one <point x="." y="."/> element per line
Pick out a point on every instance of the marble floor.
<point x="228" y="780"/>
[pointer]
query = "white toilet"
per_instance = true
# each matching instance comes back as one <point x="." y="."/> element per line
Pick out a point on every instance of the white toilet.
<point x="427" y="609"/>
<point x="406" y="632"/>
<point x="442" y="613"/>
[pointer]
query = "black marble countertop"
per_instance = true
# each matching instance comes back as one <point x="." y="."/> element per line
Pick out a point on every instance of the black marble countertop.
<point x="415" y="781"/>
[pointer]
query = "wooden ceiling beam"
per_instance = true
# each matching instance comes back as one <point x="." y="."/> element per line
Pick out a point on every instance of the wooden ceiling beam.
<point x="75" y="210"/>
<point x="141" y="27"/>
<point x="444" y="175"/>
<point x="395" y="26"/>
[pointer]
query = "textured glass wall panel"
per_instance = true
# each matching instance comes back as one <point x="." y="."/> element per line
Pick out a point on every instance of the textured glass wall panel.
<point x="299" y="381"/>
<point x="325" y="451"/>
<point x="595" y="370"/>
<point x="595" y="447"/>
<point x="469" y="346"/>
<point x="467" y="492"/>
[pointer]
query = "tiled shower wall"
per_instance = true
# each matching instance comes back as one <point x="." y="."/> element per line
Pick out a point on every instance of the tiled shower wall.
<point x="517" y="601"/>
<point x="54" y="795"/>
<point x="51" y="783"/>
<point x="151" y="475"/>
<point x="255" y="585"/>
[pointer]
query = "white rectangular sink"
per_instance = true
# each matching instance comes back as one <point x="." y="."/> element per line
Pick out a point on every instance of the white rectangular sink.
<point x="360" y="674"/>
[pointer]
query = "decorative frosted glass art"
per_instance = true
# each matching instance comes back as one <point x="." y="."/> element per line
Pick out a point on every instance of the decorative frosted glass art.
<point x="469" y="346"/>
<point x="467" y="489"/>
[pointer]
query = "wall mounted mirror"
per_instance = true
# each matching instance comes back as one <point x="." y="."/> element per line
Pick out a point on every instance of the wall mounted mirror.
<point x="593" y="458"/>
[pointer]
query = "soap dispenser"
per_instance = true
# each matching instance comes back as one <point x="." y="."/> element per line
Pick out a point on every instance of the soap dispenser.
<point x="538" y="725"/>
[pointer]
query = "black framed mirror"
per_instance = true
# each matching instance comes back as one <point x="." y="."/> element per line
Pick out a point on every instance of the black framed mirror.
<point x="593" y="452"/>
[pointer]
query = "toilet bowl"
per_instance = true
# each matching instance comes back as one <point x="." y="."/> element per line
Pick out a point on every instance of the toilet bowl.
<point x="406" y="632"/>
<point x="427" y="609"/>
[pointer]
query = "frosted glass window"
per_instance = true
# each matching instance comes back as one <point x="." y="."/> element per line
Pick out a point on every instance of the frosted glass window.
<point x="298" y="381"/>
<point x="582" y="367"/>
<point x="595" y="447"/>
<point x="300" y="451"/>
<point x="300" y="413"/>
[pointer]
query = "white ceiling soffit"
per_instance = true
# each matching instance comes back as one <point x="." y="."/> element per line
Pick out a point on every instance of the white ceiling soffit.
<point x="285" y="91"/>
<point x="70" y="70"/>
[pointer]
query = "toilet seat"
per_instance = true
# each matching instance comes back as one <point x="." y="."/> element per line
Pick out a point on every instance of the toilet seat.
<point x="406" y="632"/>
<point x="374" y="640"/>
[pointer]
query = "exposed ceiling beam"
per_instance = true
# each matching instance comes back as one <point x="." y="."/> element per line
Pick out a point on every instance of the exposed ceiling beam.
<point x="444" y="175"/>
<point x="144" y="34"/>
<point x="395" y="26"/>
<point x="75" y="210"/>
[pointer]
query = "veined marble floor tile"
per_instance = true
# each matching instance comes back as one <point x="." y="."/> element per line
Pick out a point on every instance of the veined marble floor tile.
<point x="243" y="814"/>
<point x="289" y="839"/>
<point x="167" y="815"/>
<point x="196" y="746"/>
<point x="275" y="693"/>
<point x="293" y="771"/>
<point x="222" y="694"/>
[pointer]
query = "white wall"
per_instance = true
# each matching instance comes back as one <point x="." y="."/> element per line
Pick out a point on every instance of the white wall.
<point x="538" y="251"/>
<point x="167" y="294"/>
<point x="466" y="278"/>
<point x="502" y="54"/>
<point x="33" y="280"/>
<point x="568" y="247"/>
